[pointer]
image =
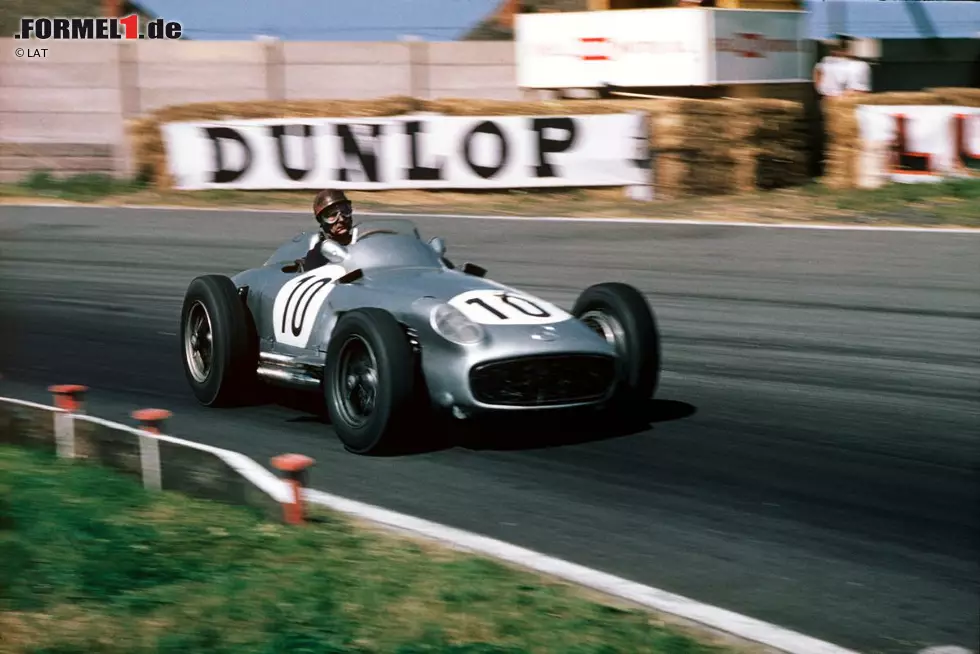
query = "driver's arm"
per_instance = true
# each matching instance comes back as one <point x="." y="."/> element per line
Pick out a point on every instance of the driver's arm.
<point x="313" y="259"/>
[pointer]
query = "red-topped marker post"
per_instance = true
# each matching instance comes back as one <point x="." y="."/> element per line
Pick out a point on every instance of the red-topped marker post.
<point x="294" y="467"/>
<point x="152" y="420"/>
<point x="69" y="397"/>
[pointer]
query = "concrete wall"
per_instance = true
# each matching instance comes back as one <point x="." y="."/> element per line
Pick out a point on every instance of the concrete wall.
<point x="82" y="92"/>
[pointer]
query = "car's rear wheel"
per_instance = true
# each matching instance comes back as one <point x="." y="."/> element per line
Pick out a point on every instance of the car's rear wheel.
<point x="217" y="353"/>
<point x="369" y="381"/>
<point x="621" y="315"/>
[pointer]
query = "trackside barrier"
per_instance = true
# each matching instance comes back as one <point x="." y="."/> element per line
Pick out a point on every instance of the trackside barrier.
<point x="168" y="463"/>
<point x="161" y="462"/>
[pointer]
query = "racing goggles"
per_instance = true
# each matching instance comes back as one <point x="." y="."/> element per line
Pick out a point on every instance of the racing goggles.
<point x="333" y="214"/>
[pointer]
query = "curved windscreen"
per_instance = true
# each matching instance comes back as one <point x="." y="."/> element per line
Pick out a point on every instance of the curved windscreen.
<point x="390" y="244"/>
<point x="402" y="226"/>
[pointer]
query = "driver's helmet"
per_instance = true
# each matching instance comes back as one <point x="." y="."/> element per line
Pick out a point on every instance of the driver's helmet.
<point x="334" y="212"/>
<point x="331" y="205"/>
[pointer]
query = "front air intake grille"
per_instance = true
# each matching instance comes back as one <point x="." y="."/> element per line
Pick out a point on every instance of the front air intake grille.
<point x="543" y="380"/>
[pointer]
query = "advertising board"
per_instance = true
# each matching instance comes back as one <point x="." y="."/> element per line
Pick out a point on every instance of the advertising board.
<point x="417" y="152"/>
<point x="917" y="143"/>
<point x="660" y="47"/>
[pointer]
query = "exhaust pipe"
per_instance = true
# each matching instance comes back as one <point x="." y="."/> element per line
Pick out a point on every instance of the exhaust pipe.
<point x="280" y="359"/>
<point x="286" y="371"/>
<point x="288" y="377"/>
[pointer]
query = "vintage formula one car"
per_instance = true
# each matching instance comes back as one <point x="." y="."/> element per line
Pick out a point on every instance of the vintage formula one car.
<point x="390" y="330"/>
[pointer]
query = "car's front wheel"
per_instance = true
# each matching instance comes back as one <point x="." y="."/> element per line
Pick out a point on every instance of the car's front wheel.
<point x="621" y="315"/>
<point x="217" y="354"/>
<point x="369" y="381"/>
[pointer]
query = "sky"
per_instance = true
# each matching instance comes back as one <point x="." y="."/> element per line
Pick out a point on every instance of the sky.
<point x="323" y="20"/>
<point x="448" y="20"/>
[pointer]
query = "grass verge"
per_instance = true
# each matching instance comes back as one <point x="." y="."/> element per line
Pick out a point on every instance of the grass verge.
<point x="91" y="562"/>
<point x="951" y="203"/>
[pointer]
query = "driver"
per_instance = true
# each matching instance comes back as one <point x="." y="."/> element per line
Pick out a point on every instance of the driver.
<point x="334" y="213"/>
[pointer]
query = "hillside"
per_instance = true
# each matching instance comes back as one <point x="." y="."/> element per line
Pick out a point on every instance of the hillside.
<point x="11" y="11"/>
<point x="488" y="30"/>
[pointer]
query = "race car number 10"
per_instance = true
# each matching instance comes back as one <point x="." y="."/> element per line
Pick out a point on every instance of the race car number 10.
<point x="523" y="305"/>
<point x="505" y="308"/>
<point x="298" y="304"/>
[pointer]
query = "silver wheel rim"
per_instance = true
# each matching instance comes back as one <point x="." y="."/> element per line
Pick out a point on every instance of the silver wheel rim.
<point x="198" y="342"/>
<point x="356" y="386"/>
<point x="607" y="327"/>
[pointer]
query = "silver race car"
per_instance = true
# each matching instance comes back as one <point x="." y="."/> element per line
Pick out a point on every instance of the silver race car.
<point x="390" y="329"/>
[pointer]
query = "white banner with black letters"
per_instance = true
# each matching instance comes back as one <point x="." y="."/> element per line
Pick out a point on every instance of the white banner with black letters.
<point x="917" y="143"/>
<point x="418" y="152"/>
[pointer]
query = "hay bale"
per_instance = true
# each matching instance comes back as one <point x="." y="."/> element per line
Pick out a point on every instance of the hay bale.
<point x="842" y="142"/>
<point x="671" y="169"/>
<point x="772" y="144"/>
<point x="288" y="109"/>
<point x="962" y="96"/>
<point x="699" y="140"/>
<point x="784" y="158"/>
<point x="710" y="176"/>
<point x="707" y="147"/>
<point x="780" y="168"/>
<point x="468" y="107"/>
<point x="743" y="125"/>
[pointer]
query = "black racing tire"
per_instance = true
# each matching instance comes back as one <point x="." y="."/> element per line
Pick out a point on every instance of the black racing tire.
<point x="230" y="376"/>
<point x="621" y="314"/>
<point x="374" y="338"/>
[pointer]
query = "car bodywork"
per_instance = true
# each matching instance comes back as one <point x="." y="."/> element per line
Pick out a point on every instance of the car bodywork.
<point x="481" y="345"/>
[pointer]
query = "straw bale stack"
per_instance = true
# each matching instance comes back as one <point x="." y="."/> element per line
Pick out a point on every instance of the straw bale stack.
<point x="701" y="154"/>
<point x="699" y="146"/>
<point x="477" y="107"/>
<point x="147" y="140"/>
<point x="962" y="96"/>
<point x="775" y="146"/>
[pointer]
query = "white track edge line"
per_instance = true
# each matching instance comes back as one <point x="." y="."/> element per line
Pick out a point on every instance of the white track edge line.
<point x="33" y="405"/>
<point x="565" y="219"/>
<point x="706" y="614"/>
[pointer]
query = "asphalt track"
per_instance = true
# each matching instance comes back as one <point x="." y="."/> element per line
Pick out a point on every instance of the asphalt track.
<point x="813" y="455"/>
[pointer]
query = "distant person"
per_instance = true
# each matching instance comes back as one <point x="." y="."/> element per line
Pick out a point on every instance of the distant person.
<point x="836" y="75"/>
<point x="840" y="74"/>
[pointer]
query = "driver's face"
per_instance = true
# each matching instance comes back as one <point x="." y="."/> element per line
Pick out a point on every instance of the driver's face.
<point x="338" y="220"/>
